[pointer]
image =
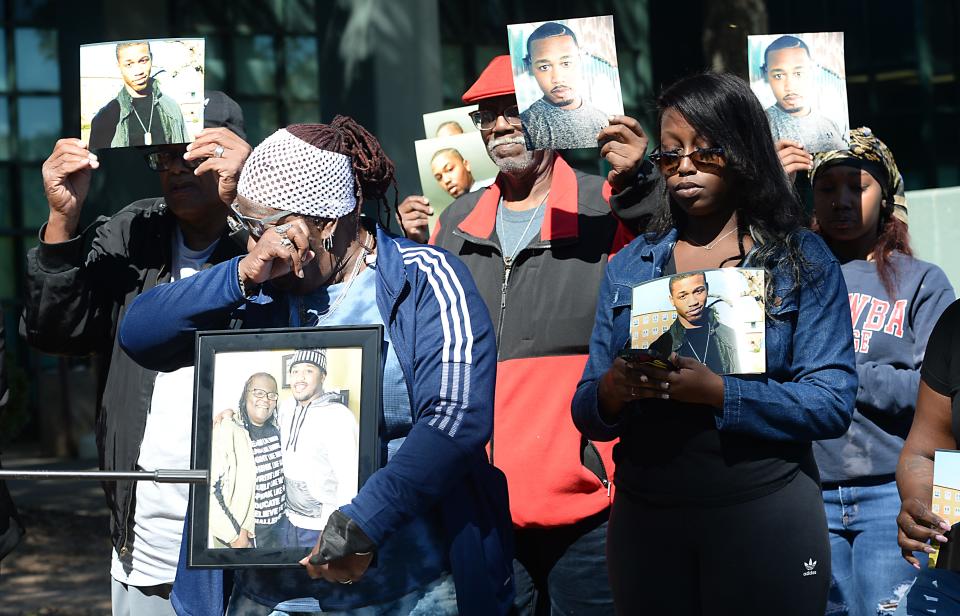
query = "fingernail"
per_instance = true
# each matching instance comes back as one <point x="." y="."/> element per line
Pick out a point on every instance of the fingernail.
<point x="944" y="525"/>
<point x="665" y="385"/>
<point x="189" y="147"/>
<point x="610" y="118"/>
<point x="941" y="538"/>
<point x="92" y="156"/>
<point x="431" y="210"/>
<point x="916" y="566"/>
<point x="300" y="274"/>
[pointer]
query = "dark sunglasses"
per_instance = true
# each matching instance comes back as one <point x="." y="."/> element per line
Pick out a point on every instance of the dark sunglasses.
<point x="484" y="119"/>
<point x="257" y="226"/>
<point x="669" y="162"/>
<point x="162" y="160"/>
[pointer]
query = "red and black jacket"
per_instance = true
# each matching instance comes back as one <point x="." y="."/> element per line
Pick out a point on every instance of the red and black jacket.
<point x="543" y="308"/>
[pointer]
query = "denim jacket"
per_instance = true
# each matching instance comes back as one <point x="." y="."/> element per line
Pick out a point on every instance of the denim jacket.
<point x="810" y="386"/>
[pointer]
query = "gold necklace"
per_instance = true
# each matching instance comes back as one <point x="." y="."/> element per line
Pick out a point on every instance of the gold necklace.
<point x="712" y="244"/>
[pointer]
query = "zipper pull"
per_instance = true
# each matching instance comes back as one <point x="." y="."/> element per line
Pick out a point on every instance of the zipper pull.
<point x="609" y="486"/>
<point x="506" y="282"/>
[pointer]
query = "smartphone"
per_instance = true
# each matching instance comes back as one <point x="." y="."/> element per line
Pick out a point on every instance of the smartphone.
<point x="648" y="357"/>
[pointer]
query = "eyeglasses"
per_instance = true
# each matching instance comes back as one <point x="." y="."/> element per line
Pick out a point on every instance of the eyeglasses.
<point x="161" y="160"/>
<point x="484" y="119"/>
<point x="257" y="226"/>
<point x="263" y="393"/>
<point x="669" y="162"/>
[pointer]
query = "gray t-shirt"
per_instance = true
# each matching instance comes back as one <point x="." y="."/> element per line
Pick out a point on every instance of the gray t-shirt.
<point x="548" y="127"/>
<point x="815" y="131"/>
<point x="516" y="229"/>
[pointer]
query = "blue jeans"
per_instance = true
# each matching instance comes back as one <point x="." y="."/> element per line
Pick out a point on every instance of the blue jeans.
<point x="563" y="570"/>
<point x="867" y="567"/>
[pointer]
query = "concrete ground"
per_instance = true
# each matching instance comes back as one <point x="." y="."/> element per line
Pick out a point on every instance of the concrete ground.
<point x="62" y="566"/>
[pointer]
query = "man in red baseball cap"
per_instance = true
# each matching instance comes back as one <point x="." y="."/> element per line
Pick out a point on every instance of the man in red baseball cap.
<point x="537" y="242"/>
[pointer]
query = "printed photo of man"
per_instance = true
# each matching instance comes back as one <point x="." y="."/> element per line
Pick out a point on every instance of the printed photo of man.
<point x="561" y="119"/>
<point x="452" y="172"/>
<point x="698" y="332"/>
<point x="140" y="114"/>
<point x="319" y="436"/>
<point x="790" y="72"/>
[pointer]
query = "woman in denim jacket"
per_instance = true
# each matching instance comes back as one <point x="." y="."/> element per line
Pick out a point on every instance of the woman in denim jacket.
<point x="722" y="464"/>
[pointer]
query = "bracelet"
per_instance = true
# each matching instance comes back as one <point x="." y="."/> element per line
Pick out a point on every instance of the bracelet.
<point x="244" y="286"/>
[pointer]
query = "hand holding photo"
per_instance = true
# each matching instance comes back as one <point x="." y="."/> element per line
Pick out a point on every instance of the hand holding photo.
<point x="286" y="422"/>
<point x="714" y="316"/>
<point x="801" y="81"/>
<point x="141" y="92"/>
<point x="566" y="77"/>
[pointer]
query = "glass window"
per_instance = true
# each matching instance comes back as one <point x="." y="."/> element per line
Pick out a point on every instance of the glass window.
<point x="214" y="70"/>
<point x="303" y="112"/>
<point x="6" y="139"/>
<point x="38" y="126"/>
<point x="261" y="120"/>
<point x="35" y="208"/>
<point x="3" y="61"/>
<point x="303" y="77"/>
<point x="5" y="214"/>
<point x="256" y="65"/>
<point x="36" y="57"/>
<point x="7" y="271"/>
<point x="300" y="15"/>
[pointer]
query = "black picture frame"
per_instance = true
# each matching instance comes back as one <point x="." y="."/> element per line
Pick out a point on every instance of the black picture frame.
<point x="243" y="354"/>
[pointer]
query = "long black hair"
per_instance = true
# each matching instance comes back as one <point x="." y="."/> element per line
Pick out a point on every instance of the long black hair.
<point x="726" y="113"/>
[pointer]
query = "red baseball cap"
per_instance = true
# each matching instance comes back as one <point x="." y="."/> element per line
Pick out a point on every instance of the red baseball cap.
<point x="495" y="80"/>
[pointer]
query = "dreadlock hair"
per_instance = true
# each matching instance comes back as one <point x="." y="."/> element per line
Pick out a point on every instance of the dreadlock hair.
<point x="242" y="405"/>
<point x="726" y="113"/>
<point x="373" y="171"/>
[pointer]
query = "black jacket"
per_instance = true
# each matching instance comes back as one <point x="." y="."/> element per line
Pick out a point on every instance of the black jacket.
<point x="11" y="528"/>
<point x="77" y="293"/>
<point x="543" y="306"/>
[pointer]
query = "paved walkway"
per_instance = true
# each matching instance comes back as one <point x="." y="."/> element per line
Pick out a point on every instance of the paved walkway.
<point x="62" y="566"/>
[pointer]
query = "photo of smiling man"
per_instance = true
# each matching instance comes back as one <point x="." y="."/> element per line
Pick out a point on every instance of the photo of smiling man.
<point x="566" y="81"/>
<point x="319" y="439"/>
<point x="805" y="87"/>
<point x="141" y="93"/>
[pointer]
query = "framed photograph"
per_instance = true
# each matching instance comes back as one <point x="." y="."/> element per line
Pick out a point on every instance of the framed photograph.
<point x="141" y="92"/>
<point x="714" y="316"/>
<point x="449" y="122"/>
<point x="451" y="167"/>
<point x="567" y="80"/>
<point x="801" y="81"/>
<point x="285" y="421"/>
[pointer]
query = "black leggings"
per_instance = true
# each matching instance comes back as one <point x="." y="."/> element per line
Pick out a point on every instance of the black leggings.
<point x="770" y="555"/>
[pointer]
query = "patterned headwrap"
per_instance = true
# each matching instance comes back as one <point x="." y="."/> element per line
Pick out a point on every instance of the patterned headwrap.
<point x="874" y="157"/>
<point x="285" y="172"/>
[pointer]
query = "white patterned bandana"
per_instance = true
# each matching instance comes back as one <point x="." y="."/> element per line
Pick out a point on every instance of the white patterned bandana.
<point x="286" y="173"/>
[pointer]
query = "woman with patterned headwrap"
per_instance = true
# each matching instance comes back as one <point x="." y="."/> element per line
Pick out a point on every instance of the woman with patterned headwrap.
<point x="895" y="301"/>
<point x="435" y="514"/>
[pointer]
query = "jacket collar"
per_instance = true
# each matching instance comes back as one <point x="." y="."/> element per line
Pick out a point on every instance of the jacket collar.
<point x="559" y="221"/>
